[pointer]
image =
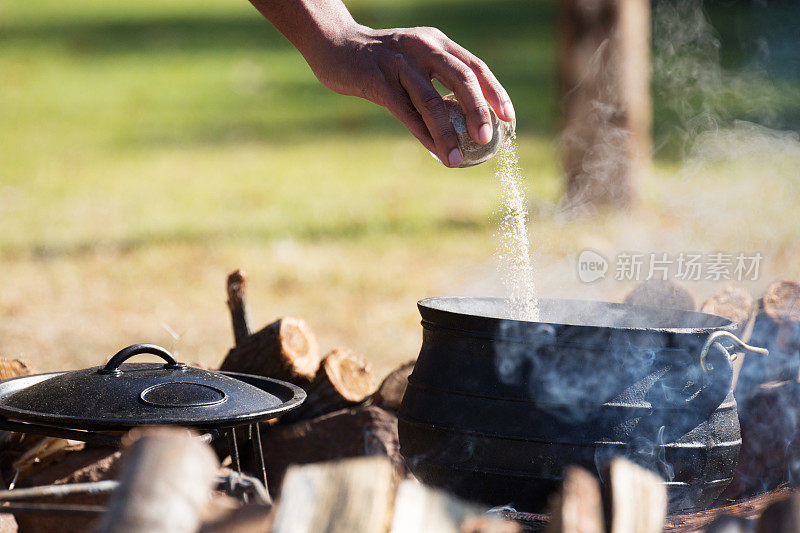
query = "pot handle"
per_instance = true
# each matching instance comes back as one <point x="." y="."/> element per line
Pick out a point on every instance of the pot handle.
<point x="718" y="378"/>
<point x="112" y="367"/>
<point x="714" y="339"/>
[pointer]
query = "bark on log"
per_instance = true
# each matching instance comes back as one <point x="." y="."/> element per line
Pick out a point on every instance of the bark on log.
<point x="347" y="496"/>
<point x="286" y="349"/>
<point x="344" y="379"/>
<point x="578" y="508"/>
<point x="390" y="391"/>
<point x="638" y="498"/>
<point x="237" y="304"/>
<point x="770" y="452"/>
<point x="781" y="517"/>
<point x="347" y="433"/>
<point x="777" y="328"/>
<point x="166" y="478"/>
<point x="661" y="293"/>
<point x="604" y="85"/>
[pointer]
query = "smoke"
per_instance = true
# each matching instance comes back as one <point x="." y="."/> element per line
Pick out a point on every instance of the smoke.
<point x="727" y="180"/>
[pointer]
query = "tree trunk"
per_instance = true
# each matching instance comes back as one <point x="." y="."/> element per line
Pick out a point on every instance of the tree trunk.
<point x="606" y="115"/>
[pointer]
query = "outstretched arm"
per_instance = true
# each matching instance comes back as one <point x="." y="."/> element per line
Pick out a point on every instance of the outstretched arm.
<point x="394" y="68"/>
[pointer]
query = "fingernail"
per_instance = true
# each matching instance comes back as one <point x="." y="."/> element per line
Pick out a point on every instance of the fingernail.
<point x="508" y="111"/>
<point x="455" y="157"/>
<point x="485" y="134"/>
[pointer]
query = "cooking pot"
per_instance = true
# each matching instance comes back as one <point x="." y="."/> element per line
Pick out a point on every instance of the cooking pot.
<point x="496" y="407"/>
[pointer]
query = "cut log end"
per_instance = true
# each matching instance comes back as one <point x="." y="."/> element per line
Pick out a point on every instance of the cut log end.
<point x="731" y="302"/>
<point x="344" y="379"/>
<point x="11" y="368"/>
<point x="287" y="349"/>
<point x="349" y="373"/>
<point x="781" y="301"/>
<point x="299" y="345"/>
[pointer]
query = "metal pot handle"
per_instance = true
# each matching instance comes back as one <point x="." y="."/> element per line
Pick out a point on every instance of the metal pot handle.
<point x="714" y="338"/>
<point x="718" y="378"/>
<point x="112" y="367"/>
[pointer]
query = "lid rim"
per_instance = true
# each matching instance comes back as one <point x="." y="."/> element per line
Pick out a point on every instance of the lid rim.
<point x="288" y="394"/>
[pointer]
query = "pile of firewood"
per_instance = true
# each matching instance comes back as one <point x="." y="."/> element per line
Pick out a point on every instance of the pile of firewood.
<point x="334" y="463"/>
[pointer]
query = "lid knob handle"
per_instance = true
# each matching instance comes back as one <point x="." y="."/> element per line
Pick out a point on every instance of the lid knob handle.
<point x="112" y="367"/>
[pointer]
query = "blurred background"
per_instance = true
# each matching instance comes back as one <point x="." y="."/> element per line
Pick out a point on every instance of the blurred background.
<point x="149" y="148"/>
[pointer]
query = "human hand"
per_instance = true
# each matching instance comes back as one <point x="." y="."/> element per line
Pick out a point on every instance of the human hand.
<point x="394" y="68"/>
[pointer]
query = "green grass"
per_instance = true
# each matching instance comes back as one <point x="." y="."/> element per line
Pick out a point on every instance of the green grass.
<point x="148" y="148"/>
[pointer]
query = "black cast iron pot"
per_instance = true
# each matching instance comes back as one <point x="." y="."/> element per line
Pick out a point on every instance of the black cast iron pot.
<point x="496" y="408"/>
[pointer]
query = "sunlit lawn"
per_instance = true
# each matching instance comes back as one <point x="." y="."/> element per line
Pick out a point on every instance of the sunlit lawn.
<point x="148" y="148"/>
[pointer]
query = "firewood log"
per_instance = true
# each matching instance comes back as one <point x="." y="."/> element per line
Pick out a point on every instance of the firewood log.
<point x="781" y="517"/>
<point x="347" y="433"/>
<point x="390" y="391"/>
<point x="286" y="349"/>
<point x="345" y="496"/>
<point x="237" y="304"/>
<point x="419" y="508"/>
<point x="781" y="301"/>
<point x="661" y="293"/>
<point x="638" y="498"/>
<point x="344" y="379"/>
<point x="578" y="508"/>
<point x="12" y="368"/>
<point x="770" y="452"/>
<point x="166" y="479"/>
<point x="8" y="524"/>
<point x="777" y="328"/>
<point x="734" y="303"/>
<point x="92" y="463"/>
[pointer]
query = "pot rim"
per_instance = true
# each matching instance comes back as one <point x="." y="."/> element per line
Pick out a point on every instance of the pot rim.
<point x="445" y="311"/>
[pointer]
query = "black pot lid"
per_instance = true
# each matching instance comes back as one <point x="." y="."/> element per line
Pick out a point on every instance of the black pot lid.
<point x="120" y="396"/>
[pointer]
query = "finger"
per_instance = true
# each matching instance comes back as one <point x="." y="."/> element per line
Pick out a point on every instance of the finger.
<point x="494" y="92"/>
<point x="430" y="106"/>
<point x="403" y="109"/>
<point x="459" y="78"/>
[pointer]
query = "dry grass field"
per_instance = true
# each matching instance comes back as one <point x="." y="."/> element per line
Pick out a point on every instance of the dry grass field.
<point x="148" y="149"/>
